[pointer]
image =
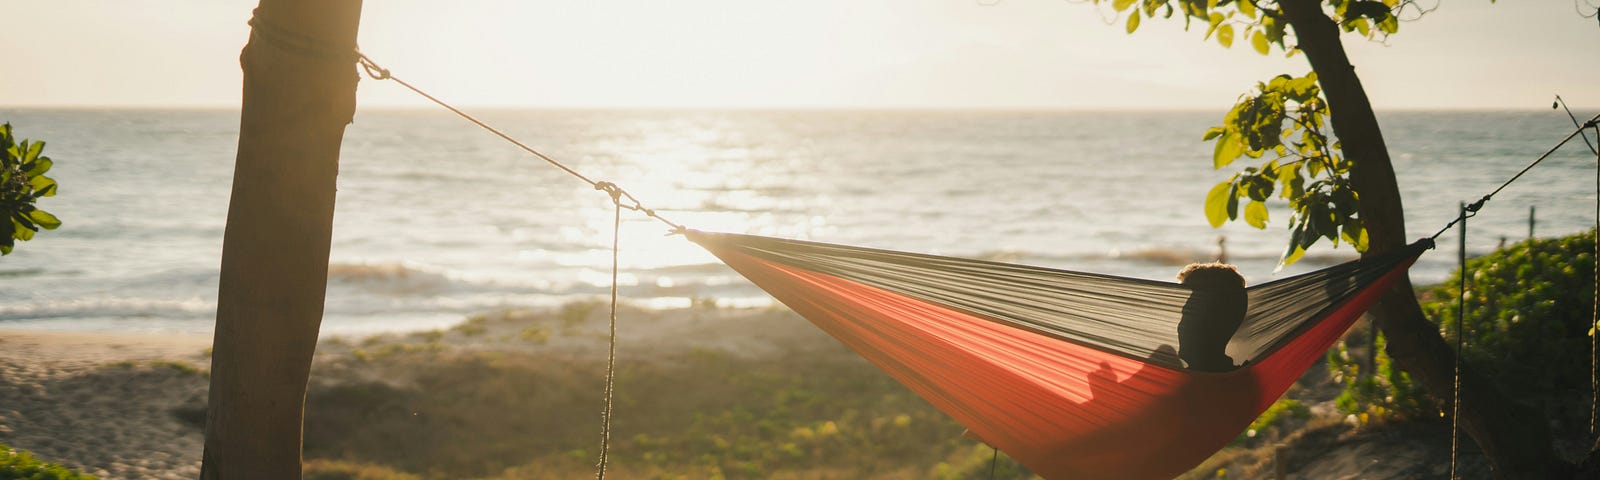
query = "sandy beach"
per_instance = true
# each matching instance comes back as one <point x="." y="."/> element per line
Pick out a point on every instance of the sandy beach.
<point x="130" y="406"/>
<point x="104" y="403"/>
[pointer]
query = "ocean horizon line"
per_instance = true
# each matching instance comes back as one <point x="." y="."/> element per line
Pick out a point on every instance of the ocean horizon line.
<point x="1220" y="109"/>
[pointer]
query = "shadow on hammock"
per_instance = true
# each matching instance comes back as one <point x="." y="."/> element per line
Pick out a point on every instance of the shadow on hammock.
<point x="1074" y="375"/>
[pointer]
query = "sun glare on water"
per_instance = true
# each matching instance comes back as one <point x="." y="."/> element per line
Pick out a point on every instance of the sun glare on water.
<point x="699" y="171"/>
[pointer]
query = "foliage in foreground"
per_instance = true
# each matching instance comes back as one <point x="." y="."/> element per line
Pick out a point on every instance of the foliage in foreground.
<point x="1386" y="392"/>
<point x="1529" y="308"/>
<point x="19" y="465"/>
<point x="22" y="184"/>
<point x="1301" y="164"/>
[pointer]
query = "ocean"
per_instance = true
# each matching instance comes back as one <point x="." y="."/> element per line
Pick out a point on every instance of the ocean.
<point x="437" y="220"/>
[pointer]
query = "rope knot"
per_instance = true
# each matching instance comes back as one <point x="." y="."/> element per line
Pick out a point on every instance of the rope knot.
<point x="372" y="68"/>
<point x="610" y="189"/>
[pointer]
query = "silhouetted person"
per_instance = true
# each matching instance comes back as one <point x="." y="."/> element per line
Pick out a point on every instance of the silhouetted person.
<point x="1213" y="313"/>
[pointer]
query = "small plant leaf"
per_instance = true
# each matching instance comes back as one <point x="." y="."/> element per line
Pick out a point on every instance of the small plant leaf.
<point x="1255" y="213"/>
<point x="1217" y="204"/>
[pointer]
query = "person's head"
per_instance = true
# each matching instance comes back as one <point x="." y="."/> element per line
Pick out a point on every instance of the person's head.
<point x="1215" y="309"/>
<point x="1211" y="275"/>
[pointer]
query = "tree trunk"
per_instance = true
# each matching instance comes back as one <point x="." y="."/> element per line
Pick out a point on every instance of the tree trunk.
<point x="1514" y="437"/>
<point x="299" y="93"/>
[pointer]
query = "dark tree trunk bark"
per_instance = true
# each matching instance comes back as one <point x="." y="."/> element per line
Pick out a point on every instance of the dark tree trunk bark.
<point x="299" y="93"/>
<point x="1515" y="438"/>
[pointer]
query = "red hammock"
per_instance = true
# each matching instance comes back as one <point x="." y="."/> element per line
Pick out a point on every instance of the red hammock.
<point x="1074" y="375"/>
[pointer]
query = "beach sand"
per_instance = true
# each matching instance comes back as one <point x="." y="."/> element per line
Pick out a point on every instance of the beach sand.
<point x="104" y="403"/>
<point x="130" y="406"/>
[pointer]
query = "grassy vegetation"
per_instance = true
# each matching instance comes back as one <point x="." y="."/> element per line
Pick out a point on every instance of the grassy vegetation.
<point x="185" y="368"/>
<point x="336" y="470"/>
<point x="19" y="465"/>
<point x="701" y="414"/>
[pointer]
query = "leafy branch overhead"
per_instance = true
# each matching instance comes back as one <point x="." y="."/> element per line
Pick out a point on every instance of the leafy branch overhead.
<point x="1284" y="120"/>
<point x="22" y="184"/>
<point x="1261" y="22"/>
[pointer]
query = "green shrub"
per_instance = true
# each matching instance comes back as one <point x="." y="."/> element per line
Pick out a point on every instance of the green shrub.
<point x="19" y="465"/>
<point x="22" y="184"/>
<point x="1388" y="392"/>
<point x="1529" y="309"/>
<point x="1279" y="415"/>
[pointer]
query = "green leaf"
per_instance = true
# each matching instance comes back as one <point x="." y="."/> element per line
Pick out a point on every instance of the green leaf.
<point x="1303" y="89"/>
<point x="1389" y="24"/>
<point x="42" y="183"/>
<point x="45" y="219"/>
<point x="1272" y="29"/>
<point x="1217" y="204"/>
<point x="38" y="167"/>
<point x="1259" y="41"/>
<point x="1255" y="214"/>
<point x="1295" y="251"/>
<point x="1229" y="147"/>
<point x="1355" y="234"/>
<point x="1322" y="223"/>
<point x="1225" y="36"/>
<point x="22" y="231"/>
<point x="1215" y="19"/>
<point x="1233" y="202"/>
<point x="1133" y="22"/>
<point x="31" y="151"/>
<point x="1247" y="8"/>
<point x="1259" y="188"/>
<point x="1211" y="133"/>
<point x="1121" y="5"/>
<point x="1360" y="25"/>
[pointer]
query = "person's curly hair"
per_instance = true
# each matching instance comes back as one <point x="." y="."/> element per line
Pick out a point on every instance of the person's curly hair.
<point x="1211" y="275"/>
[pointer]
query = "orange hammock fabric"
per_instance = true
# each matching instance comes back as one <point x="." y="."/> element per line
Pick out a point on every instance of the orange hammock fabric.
<point x="1046" y="365"/>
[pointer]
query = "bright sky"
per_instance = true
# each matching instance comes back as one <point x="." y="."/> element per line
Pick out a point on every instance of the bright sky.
<point x="787" y="54"/>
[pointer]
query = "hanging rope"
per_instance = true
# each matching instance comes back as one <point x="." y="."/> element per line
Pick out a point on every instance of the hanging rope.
<point x="617" y="195"/>
<point x="611" y="356"/>
<point x="1594" y="320"/>
<point x="1461" y="319"/>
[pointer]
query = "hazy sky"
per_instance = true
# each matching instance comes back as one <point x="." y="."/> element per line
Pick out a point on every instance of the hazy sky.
<point x="768" y="53"/>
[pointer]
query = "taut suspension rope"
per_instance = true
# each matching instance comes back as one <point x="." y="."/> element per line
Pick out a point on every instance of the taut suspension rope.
<point x="617" y="195"/>
<point x="379" y="73"/>
<point x="1472" y="208"/>
<point x="611" y="356"/>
